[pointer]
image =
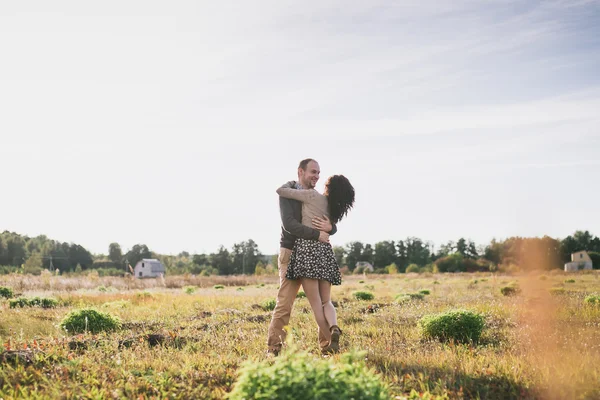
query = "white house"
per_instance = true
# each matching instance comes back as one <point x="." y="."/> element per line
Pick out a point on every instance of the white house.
<point x="149" y="268"/>
<point x="579" y="260"/>
<point x="365" y="265"/>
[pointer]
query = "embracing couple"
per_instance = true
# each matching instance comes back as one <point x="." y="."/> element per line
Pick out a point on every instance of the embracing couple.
<point x="306" y="257"/>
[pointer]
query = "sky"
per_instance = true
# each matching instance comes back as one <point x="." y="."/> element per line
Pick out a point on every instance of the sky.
<point x="173" y="123"/>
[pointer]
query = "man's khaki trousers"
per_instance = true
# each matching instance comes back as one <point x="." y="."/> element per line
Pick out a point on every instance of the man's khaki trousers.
<point x="288" y="289"/>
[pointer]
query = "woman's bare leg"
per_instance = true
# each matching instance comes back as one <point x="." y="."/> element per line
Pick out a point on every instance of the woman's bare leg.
<point x="311" y="288"/>
<point x="330" y="316"/>
<point x="328" y="308"/>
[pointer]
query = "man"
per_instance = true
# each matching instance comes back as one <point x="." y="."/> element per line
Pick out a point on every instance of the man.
<point x="292" y="228"/>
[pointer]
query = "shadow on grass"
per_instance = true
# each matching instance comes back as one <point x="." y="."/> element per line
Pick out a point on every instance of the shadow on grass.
<point x="452" y="382"/>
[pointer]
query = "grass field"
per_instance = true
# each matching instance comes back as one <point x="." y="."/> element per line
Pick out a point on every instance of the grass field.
<point x="183" y="338"/>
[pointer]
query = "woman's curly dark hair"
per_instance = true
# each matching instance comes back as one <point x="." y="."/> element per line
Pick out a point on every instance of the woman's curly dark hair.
<point x="340" y="196"/>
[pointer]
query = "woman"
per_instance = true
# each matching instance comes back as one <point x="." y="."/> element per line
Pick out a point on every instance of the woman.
<point x="312" y="261"/>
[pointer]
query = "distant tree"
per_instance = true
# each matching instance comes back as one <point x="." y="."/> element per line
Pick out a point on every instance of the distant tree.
<point x="222" y="261"/>
<point x="385" y="254"/>
<point x="339" y="253"/>
<point x="79" y="255"/>
<point x="595" y="256"/>
<point x="200" y="259"/>
<point x="472" y="250"/>
<point x="526" y="253"/>
<point x="238" y="258"/>
<point x="57" y="256"/>
<point x="461" y="247"/>
<point x="15" y="252"/>
<point x="36" y="244"/>
<point x="33" y="265"/>
<point x="354" y="252"/>
<point x="245" y="256"/>
<point x="550" y="253"/>
<point x="114" y="253"/>
<point x="137" y="253"/>
<point x="367" y="254"/>
<point x="401" y="256"/>
<point x="417" y="252"/>
<point x="583" y="239"/>
<point x="447" y="249"/>
<point x="493" y="251"/>
<point x="466" y="249"/>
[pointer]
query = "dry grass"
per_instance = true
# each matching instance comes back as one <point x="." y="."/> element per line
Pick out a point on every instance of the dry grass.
<point x="535" y="345"/>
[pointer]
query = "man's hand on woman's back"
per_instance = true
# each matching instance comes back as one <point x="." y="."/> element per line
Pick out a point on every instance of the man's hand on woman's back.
<point x="322" y="224"/>
<point x="323" y="237"/>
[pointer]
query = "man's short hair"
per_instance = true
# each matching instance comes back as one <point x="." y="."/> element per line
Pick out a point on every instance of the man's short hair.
<point x="304" y="163"/>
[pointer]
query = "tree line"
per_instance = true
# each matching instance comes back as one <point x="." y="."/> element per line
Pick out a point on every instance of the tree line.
<point x="32" y="255"/>
<point x="514" y="253"/>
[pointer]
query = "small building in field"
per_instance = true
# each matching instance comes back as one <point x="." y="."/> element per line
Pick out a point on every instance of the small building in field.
<point x="579" y="260"/>
<point x="149" y="268"/>
<point x="365" y="265"/>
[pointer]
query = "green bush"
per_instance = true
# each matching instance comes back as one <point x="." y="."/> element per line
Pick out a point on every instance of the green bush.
<point x="6" y="292"/>
<point x="427" y="268"/>
<point x="90" y="320"/>
<point x="413" y="268"/>
<point x="569" y="280"/>
<point x="403" y="298"/>
<point x="593" y="299"/>
<point x="189" y="289"/>
<point x="48" y="303"/>
<point x="510" y="290"/>
<point x="300" y="376"/>
<point x="44" y="302"/>
<point x="218" y="287"/>
<point x="360" y="295"/>
<point x="410" y="296"/>
<point x="451" y="263"/>
<point x="6" y="269"/>
<point x="459" y="325"/>
<point x="20" y="302"/>
<point x="269" y="305"/>
<point x="425" y="291"/>
<point x="391" y="269"/>
<point x="102" y="289"/>
<point x="301" y="295"/>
